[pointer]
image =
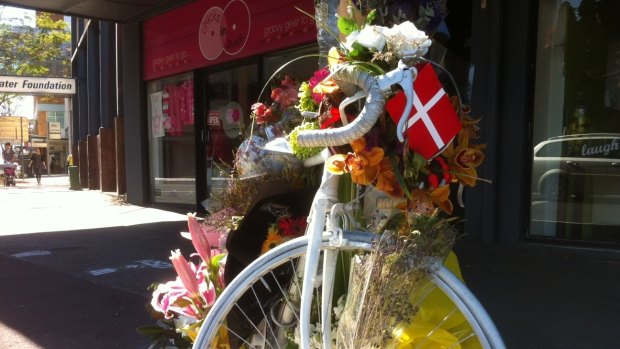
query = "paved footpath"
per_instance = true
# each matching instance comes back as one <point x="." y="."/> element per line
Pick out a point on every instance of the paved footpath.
<point x="52" y="206"/>
<point x="52" y="240"/>
<point x="540" y="296"/>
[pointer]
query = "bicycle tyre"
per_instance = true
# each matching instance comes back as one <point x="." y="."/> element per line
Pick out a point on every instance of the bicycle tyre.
<point x="482" y="325"/>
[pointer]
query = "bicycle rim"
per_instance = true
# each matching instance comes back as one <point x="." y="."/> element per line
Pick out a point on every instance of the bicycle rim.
<point x="249" y="311"/>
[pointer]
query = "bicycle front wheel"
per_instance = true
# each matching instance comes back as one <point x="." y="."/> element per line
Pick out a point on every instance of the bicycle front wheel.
<point x="259" y="308"/>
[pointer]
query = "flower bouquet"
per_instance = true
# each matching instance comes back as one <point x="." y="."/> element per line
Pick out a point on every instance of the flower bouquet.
<point x="409" y="165"/>
<point x="180" y="305"/>
<point x="415" y="169"/>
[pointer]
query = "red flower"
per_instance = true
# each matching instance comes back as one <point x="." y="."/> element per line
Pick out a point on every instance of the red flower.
<point x="318" y="76"/>
<point x="292" y="226"/>
<point x="259" y="109"/>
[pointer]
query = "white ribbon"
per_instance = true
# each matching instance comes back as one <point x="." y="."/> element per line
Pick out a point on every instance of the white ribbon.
<point x="422" y="113"/>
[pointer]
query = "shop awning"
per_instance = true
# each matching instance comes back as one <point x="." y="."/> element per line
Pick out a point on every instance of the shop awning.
<point x="120" y="11"/>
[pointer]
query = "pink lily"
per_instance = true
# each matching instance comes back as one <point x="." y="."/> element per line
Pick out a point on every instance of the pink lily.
<point x="190" y="294"/>
<point x="172" y="299"/>
<point x="185" y="272"/>
<point x="199" y="238"/>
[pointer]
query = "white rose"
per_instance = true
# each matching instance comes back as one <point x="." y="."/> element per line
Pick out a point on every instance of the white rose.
<point x="406" y="40"/>
<point x="370" y="37"/>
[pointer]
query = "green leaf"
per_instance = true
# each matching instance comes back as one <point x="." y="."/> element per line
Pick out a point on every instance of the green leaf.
<point x="216" y="260"/>
<point x="371" y="16"/>
<point x="369" y="67"/>
<point x="418" y="161"/>
<point x="399" y="177"/>
<point x="347" y="25"/>
<point x="149" y="330"/>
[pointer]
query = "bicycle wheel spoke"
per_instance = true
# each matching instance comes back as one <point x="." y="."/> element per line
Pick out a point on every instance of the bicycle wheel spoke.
<point x="431" y="332"/>
<point x="265" y="318"/>
<point x="274" y="285"/>
<point x="232" y="332"/>
<point x="287" y="300"/>
<point x="463" y="340"/>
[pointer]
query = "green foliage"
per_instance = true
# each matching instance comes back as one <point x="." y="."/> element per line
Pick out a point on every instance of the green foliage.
<point x="347" y="25"/>
<point x="40" y="51"/>
<point x="371" y="17"/>
<point x="31" y="51"/>
<point x="301" y="152"/>
<point x="306" y="103"/>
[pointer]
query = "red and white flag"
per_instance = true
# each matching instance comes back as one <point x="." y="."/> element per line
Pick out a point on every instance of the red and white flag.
<point x="433" y="122"/>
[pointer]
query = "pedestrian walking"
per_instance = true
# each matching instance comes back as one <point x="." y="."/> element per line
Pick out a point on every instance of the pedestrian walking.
<point x="8" y="154"/>
<point x="37" y="164"/>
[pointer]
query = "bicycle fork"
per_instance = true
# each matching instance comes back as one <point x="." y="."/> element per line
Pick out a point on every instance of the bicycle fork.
<point x="321" y="207"/>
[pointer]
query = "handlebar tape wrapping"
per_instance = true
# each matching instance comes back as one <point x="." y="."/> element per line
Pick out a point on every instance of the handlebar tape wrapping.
<point x="375" y="102"/>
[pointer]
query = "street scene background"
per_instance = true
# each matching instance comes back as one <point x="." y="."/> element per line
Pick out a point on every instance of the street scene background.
<point x="76" y="267"/>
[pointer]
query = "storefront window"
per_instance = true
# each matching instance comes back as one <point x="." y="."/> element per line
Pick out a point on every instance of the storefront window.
<point x="576" y="122"/>
<point x="171" y="139"/>
<point x="230" y="93"/>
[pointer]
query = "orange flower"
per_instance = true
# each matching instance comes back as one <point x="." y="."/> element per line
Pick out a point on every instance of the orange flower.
<point x="387" y="182"/>
<point x="463" y="159"/>
<point x="363" y="165"/>
<point x="441" y="198"/>
<point x="421" y="203"/>
<point x="273" y="239"/>
<point x="470" y="126"/>
<point x="424" y="202"/>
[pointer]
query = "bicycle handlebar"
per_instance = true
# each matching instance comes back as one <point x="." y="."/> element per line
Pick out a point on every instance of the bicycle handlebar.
<point x="375" y="102"/>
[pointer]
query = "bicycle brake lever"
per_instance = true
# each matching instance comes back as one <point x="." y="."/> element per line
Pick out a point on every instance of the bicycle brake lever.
<point x="403" y="75"/>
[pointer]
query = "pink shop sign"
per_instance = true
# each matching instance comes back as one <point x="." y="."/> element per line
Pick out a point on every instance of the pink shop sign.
<point x="210" y="32"/>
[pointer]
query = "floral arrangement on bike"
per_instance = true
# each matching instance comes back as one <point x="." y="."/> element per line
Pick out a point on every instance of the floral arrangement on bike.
<point x="417" y="166"/>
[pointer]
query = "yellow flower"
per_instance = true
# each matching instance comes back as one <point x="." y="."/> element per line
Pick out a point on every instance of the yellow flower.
<point x="273" y="239"/>
<point x="328" y="85"/>
<point x="334" y="57"/>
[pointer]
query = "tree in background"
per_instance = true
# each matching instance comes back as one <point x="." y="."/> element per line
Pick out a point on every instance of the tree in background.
<point x="40" y="51"/>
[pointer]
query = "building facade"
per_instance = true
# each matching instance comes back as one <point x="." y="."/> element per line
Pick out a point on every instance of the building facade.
<point x="542" y="75"/>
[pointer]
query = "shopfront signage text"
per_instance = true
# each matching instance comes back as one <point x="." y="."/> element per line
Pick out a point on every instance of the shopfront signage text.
<point x="36" y="85"/>
<point x="224" y="30"/>
<point x="209" y="32"/>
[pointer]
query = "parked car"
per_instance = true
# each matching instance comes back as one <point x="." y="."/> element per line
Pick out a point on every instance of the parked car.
<point x="576" y="166"/>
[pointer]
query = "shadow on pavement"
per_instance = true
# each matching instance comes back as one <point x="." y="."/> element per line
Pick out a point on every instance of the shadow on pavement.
<point x="545" y="296"/>
<point x="53" y="298"/>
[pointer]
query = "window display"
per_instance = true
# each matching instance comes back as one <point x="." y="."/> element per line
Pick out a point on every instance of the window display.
<point x="171" y="139"/>
<point x="576" y="122"/>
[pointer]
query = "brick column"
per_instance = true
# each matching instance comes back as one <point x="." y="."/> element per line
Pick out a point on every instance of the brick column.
<point x="93" y="162"/>
<point x="107" y="159"/>
<point x="83" y="163"/>
<point x="119" y="130"/>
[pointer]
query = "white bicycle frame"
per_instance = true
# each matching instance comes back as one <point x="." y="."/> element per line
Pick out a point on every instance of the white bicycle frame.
<point x="325" y="208"/>
<point x="326" y="213"/>
<point x="319" y="223"/>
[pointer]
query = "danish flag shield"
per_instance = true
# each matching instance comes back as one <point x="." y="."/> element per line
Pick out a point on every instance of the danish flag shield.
<point x="433" y="122"/>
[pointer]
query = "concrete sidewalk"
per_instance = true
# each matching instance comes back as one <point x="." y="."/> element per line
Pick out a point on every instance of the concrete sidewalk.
<point x="52" y="206"/>
<point x="540" y="296"/>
